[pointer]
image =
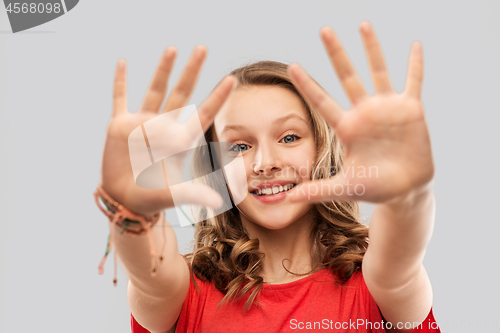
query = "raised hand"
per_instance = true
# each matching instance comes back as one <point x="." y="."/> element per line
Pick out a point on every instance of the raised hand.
<point x="117" y="176"/>
<point x="385" y="135"/>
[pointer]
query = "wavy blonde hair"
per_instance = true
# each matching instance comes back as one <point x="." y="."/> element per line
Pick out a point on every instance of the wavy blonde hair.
<point x="223" y="252"/>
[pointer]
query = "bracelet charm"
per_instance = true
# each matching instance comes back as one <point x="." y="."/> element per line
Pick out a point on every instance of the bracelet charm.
<point x="127" y="222"/>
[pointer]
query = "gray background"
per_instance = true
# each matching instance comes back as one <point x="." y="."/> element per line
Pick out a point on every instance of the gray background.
<point x="55" y="102"/>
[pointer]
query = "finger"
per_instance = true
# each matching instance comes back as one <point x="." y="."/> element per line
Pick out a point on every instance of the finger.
<point x="120" y="88"/>
<point x="322" y="190"/>
<point x="315" y="95"/>
<point x="415" y="71"/>
<point x="208" y="109"/>
<point x="343" y="67"/>
<point x="182" y="91"/>
<point x="378" y="68"/>
<point x="158" y="87"/>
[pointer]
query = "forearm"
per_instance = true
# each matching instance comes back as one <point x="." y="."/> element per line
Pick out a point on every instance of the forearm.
<point x="398" y="236"/>
<point x="135" y="254"/>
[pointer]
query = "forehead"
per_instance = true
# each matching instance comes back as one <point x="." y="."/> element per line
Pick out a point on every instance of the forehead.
<point x="259" y="105"/>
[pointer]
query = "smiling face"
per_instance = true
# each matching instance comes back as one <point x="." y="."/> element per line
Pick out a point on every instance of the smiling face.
<point x="271" y="128"/>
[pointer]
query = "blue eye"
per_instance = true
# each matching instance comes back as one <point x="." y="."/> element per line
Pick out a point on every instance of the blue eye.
<point x="238" y="147"/>
<point x="290" y="138"/>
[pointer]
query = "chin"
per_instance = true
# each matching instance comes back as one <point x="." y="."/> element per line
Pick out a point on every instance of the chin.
<point x="273" y="223"/>
<point x="273" y="217"/>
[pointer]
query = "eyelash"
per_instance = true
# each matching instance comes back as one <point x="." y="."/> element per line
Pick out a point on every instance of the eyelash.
<point x="238" y="144"/>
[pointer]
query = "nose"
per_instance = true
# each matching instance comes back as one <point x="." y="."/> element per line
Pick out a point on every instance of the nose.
<point x="266" y="161"/>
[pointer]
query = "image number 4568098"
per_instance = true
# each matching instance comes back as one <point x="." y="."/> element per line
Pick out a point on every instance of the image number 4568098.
<point x="29" y="14"/>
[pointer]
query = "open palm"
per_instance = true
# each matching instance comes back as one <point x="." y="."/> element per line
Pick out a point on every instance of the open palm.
<point x="385" y="135"/>
<point x="117" y="174"/>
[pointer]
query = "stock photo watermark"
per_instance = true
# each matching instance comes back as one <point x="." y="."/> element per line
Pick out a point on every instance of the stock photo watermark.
<point x="351" y="175"/>
<point x="24" y="15"/>
<point x="364" y="324"/>
<point x="358" y="324"/>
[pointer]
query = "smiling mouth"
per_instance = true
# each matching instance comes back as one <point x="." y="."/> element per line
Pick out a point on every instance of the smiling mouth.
<point x="276" y="189"/>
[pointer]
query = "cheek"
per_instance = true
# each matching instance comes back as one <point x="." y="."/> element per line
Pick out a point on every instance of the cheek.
<point x="302" y="162"/>
<point x="236" y="179"/>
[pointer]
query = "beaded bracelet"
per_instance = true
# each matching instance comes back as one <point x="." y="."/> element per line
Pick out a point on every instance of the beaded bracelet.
<point x="130" y="223"/>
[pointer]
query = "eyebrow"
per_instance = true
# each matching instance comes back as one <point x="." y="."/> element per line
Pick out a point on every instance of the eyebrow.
<point x="276" y="121"/>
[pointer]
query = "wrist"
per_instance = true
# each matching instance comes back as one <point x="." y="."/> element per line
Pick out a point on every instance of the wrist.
<point x="411" y="199"/>
<point x="133" y="198"/>
<point x="127" y="222"/>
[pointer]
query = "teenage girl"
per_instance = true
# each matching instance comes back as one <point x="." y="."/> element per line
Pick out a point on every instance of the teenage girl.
<point x="292" y="255"/>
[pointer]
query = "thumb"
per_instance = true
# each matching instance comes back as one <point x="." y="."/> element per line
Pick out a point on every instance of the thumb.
<point x="332" y="189"/>
<point x="199" y="194"/>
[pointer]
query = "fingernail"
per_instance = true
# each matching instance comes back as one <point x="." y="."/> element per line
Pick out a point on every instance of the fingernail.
<point x="365" y="26"/>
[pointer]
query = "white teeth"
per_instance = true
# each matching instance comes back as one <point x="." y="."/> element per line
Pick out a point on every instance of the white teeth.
<point x="273" y="190"/>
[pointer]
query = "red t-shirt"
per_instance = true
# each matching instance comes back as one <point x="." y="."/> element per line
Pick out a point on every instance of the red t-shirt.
<point x="312" y="304"/>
